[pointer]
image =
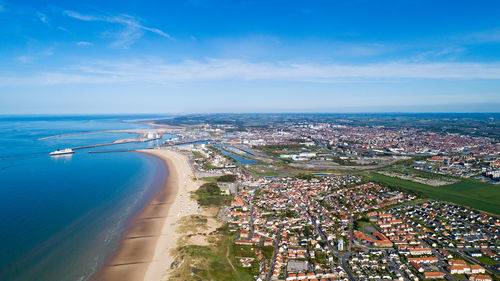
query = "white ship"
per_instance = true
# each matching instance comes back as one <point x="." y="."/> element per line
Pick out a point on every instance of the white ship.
<point x="62" y="151"/>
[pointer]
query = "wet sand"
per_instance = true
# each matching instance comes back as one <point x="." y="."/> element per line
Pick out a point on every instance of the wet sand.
<point x="144" y="251"/>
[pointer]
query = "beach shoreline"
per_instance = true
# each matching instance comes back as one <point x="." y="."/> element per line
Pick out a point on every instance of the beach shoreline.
<point x="144" y="251"/>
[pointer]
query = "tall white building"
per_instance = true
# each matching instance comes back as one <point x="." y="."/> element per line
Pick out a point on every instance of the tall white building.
<point x="340" y="244"/>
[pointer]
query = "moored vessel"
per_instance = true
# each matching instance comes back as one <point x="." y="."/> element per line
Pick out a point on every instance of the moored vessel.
<point x="62" y="151"/>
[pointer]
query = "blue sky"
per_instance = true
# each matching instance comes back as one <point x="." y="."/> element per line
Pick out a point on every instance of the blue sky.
<point x="77" y="57"/>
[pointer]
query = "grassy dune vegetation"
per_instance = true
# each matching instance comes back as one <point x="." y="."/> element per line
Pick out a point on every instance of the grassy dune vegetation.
<point x="214" y="262"/>
<point x="468" y="192"/>
<point x="216" y="258"/>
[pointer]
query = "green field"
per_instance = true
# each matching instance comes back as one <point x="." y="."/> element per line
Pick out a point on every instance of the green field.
<point x="470" y="193"/>
<point x="487" y="260"/>
<point x="197" y="155"/>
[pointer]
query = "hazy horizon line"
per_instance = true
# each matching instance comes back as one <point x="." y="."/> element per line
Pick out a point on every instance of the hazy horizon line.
<point x="233" y="113"/>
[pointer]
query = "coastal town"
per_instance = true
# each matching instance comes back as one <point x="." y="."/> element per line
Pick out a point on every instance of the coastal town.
<point x="349" y="224"/>
<point x="285" y="197"/>
<point x="249" y="140"/>
<point x="331" y="146"/>
<point x="334" y="228"/>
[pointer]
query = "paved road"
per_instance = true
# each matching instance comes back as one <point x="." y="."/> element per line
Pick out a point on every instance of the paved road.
<point x="275" y="253"/>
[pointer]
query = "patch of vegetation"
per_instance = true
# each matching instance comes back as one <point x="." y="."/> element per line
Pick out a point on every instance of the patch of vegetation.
<point x="227" y="178"/>
<point x="262" y="171"/>
<point x="215" y="262"/>
<point x="210" y="179"/>
<point x="192" y="223"/>
<point x="345" y="162"/>
<point x="486" y="260"/>
<point x="361" y="223"/>
<point x="267" y="252"/>
<point x="425" y="174"/>
<point x="208" y="194"/>
<point x="289" y="214"/>
<point x="243" y="250"/>
<point x="305" y="176"/>
<point x="209" y="166"/>
<point x="197" y="155"/>
<point x="325" y="205"/>
<point x="278" y="149"/>
<point x="468" y="192"/>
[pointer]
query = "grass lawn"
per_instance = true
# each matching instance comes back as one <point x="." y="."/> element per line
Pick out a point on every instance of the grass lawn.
<point x="364" y="226"/>
<point x="244" y="250"/>
<point x="197" y="155"/>
<point x="460" y="276"/>
<point x="487" y="260"/>
<point x="268" y="252"/>
<point x="210" y="179"/>
<point x="468" y="192"/>
<point x="209" y="166"/>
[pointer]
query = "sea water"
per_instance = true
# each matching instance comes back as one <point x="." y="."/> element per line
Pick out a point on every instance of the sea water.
<point x="61" y="217"/>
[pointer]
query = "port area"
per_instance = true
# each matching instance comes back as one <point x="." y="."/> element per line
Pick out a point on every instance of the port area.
<point x="143" y="135"/>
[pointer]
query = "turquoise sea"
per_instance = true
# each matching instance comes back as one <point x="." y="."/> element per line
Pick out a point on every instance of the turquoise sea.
<point x="61" y="217"/>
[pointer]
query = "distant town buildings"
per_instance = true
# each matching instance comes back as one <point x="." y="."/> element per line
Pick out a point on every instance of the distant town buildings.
<point x="345" y="227"/>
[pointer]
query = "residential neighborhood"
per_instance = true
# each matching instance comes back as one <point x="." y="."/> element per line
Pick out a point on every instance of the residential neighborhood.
<point x="334" y="228"/>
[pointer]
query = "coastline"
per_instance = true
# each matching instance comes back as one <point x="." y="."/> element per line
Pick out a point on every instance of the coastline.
<point x="143" y="253"/>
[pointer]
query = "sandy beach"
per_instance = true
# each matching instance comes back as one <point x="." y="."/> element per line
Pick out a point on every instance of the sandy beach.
<point x="145" y="251"/>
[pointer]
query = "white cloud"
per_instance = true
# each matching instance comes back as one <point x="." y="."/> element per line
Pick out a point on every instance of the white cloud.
<point x="221" y="69"/>
<point x="82" y="17"/>
<point x="24" y="59"/>
<point x="487" y="36"/>
<point x="84" y="44"/>
<point x="62" y="29"/>
<point x="42" y="17"/>
<point x="450" y="52"/>
<point x="132" y="31"/>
